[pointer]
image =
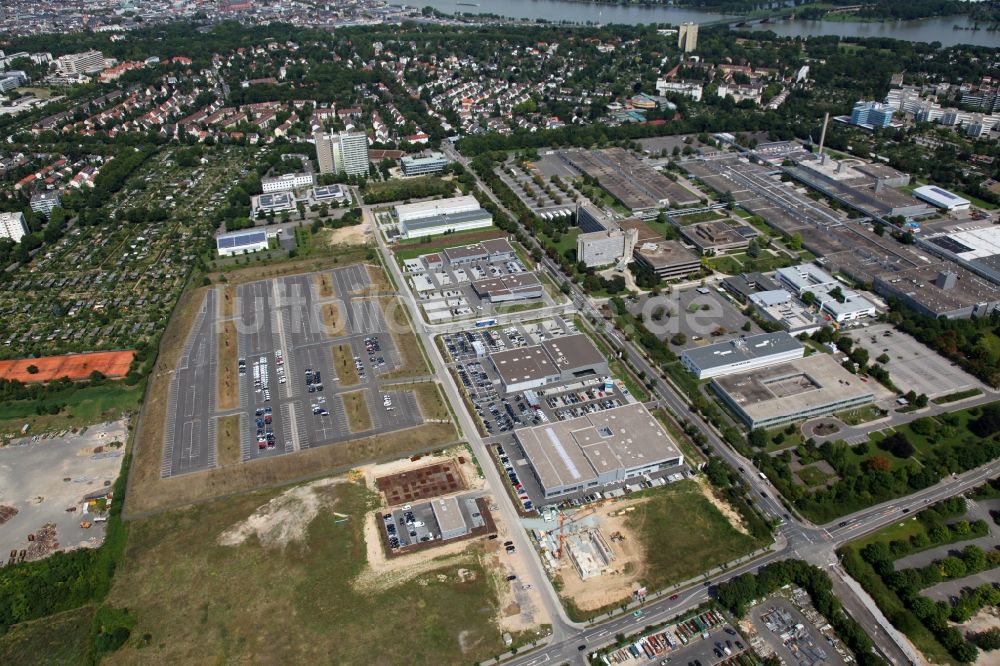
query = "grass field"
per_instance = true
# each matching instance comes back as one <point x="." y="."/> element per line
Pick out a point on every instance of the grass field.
<point x="334" y="320"/>
<point x="812" y="476"/>
<point x="417" y="247"/>
<point x="853" y="417"/>
<point x="57" y="640"/>
<point x="324" y="285"/>
<point x="227" y="436"/>
<point x="201" y="602"/>
<point x="358" y="417"/>
<point x="411" y="356"/>
<point x="378" y="278"/>
<point x="228" y="301"/>
<point x="229" y="390"/>
<point x="432" y="404"/>
<point x="77" y="407"/>
<point x="343" y="365"/>
<point x="684" y="534"/>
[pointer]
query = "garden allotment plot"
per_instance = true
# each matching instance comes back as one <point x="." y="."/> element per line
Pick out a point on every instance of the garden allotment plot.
<point x="269" y="353"/>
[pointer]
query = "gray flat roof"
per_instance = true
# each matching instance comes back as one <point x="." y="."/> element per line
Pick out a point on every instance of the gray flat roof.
<point x="742" y="349"/>
<point x="508" y="284"/>
<point x="576" y="451"/>
<point x="795" y="387"/>
<point x="444" y="219"/>
<point x="448" y="514"/>
<point x="524" y="364"/>
<point x="573" y="351"/>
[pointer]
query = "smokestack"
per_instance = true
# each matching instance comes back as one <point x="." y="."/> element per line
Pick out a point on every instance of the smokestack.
<point x="822" y="138"/>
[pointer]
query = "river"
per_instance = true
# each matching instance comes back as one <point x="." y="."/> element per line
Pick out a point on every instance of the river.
<point x="937" y="29"/>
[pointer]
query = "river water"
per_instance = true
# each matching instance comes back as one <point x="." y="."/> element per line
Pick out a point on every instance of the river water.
<point x="937" y="29"/>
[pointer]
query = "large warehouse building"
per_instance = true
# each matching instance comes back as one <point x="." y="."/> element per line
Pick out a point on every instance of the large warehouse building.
<point x="508" y="288"/>
<point x="597" y="449"/>
<point x="240" y="242"/>
<point x="794" y="391"/>
<point x="742" y="354"/>
<point x="559" y="360"/>
<point x="429" y="218"/>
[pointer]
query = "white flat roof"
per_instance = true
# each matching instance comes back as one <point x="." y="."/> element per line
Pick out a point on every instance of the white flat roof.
<point x="940" y="197"/>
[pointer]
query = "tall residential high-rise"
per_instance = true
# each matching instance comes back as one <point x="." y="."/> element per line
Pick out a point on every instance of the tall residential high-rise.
<point x="687" y="37"/>
<point x="872" y="114"/>
<point x="80" y="63"/>
<point x="343" y="152"/>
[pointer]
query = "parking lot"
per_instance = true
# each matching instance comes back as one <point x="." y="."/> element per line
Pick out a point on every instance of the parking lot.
<point x="792" y="636"/>
<point x="290" y="397"/>
<point x="704" y="639"/>
<point x="415" y="524"/>
<point x="912" y="365"/>
<point x="703" y="314"/>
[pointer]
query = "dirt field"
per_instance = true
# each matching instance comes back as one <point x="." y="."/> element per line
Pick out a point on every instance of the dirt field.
<point x="380" y="283"/>
<point x="228" y="300"/>
<point x="227" y="437"/>
<point x="411" y="358"/>
<point x="160" y="494"/>
<point x="421" y="483"/>
<point x="343" y="365"/>
<point x="333" y="319"/>
<point x="229" y="389"/>
<point x="353" y="235"/>
<point x="74" y="366"/>
<point x="324" y="285"/>
<point x="356" y="407"/>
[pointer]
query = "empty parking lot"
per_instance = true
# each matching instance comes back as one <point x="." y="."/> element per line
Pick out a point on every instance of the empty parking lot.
<point x="290" y="397"/>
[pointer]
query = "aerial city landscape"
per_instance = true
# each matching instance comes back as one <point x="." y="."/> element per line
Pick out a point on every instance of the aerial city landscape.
<point x="528" y="333"/>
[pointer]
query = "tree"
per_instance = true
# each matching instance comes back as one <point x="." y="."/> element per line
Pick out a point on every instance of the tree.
<point x="758" y="438"/>
<point x="678" y="339"/>
<point x="987" y="640"/>
<point x="808" y="298"/>
<point x="32" y="369"/>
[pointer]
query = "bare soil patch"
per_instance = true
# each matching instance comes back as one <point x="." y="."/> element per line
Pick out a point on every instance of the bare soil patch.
<point x="334" y="320"/>
<point x="75" y="366"/>
<point x="356" y="407"/>
<point x="425" y="482"/>
<point x="343" y="365"/>
<point x="228" y="301"/>
<point x="324" y="285"/>
<point x="284" y="519"/>
<point x="379" y="281"/>
<point x="731" y="515"/>
<point x="229" y="391"/>
<point x="227" y="436"/>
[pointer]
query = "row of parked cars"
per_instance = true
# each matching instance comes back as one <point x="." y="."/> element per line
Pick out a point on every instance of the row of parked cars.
<point x="265" y="431"/>
<point x="512" y="475"/>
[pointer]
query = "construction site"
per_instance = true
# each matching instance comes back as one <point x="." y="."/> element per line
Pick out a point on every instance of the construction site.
<point x="591" y="552"/>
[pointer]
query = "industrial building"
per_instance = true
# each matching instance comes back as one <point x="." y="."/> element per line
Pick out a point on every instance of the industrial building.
<point x="343" y="152"/>
<point x="941" y="198"/>
<point x="597" y="449"/>
<point x="241" y="242"/>
<point x="423" y="164"/>
<point x="277" y="202"/>
<point x="563" y="359"/>
<point x="286" y="182"/>
<point x="794" y="391"/>
<point x="517" y="287"/>
<point x="941" y="290"/>
<point x="869" y="188"/>
<point x="668" y="259"/>
<point x="743" y="286"/>
<point x="12" y="226"/>
<point x="428" y="218"/>
<point x="450" y="520"/>
<point x="741" y="354"/>
<point x="785" y="310"/>
<point x="805" y="277"/>
<point x="493" y="251"/>
<point x="719" y="236"/>
<point x="328" y="194"/>
<point x="975" y="248"/>
<point x="602" y="248"/>
<point x="44" y="202"/>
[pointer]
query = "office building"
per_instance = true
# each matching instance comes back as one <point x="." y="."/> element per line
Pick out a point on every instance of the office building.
<point x="668" y="259"/>
<point x="563" y="359"/>
<point x="597" y="449"/>
<point x="343" y="152"/>
<point x="286" y="182"/>
<point x="44" y="202"/>
<point x="262" y="204"/>
<point x="12" y="226"/>
<point x="687" y="37"/>
<point x="794" y="391"/>
<point x="871" y="114"/>
<point x="601" y="248"/>
<point x="450" y="520"/>
<point x="429" y="218"/>
<point x="742" y="354"/>
<point x="805" y="277"/>
<point x="80" y="63"/>
<point x="493" y="250"/>
<point x="241" y="242"/>
<point x="516" y="287"/>
<point x="424" y="164"/>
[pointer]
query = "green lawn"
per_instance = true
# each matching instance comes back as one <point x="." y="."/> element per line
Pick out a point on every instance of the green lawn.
<point x="684" y="535"/>
<point x="812" y="476"/>
<point x="418" y="247"/>
<point x="567" y="240"/>
<point x="692" y="455"/>
<point x="704" y="216"/>
<point x="56" y="640"/>
<point x="853" y="417"/>
<point x="80" y="406"/>
<point x="298" y="601"/>
<point x="740" y="262"/>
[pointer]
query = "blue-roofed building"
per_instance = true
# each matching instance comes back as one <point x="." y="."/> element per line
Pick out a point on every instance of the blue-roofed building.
<point x="241" y="242"/>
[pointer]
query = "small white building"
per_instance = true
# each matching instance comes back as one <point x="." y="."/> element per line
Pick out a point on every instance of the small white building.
<point x="286" y="182"/>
